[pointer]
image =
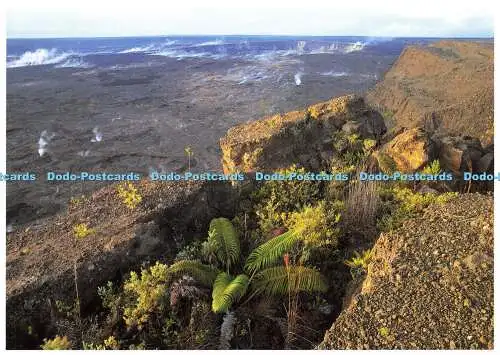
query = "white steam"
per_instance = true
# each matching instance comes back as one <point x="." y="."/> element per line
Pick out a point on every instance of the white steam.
<point x="44" y="141"/>
<point x="335" y="74"/>
<point x="301" y="45"/>
<point x="41" y="56"/>
<point x="73" y="63"/>
<point x="84" y="153"/>
<point x="298" y="78"/>
<point x="354" y="47"/>
<point x="97" y="135"/>
<point x="217" y="42"/>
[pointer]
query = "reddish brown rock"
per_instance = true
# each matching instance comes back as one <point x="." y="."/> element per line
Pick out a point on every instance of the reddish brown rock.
<point x="429" y="284"/>
<point x="458" y="154"/>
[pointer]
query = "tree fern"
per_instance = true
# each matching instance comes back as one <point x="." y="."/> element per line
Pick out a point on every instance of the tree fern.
<point x="281" y="280"/>
<point x="209" y="250"/>
<point x="223" y="235"/>
<point x="204" y="274"/>
<point x="227" y="291"/>
<point x="270" y="252"/>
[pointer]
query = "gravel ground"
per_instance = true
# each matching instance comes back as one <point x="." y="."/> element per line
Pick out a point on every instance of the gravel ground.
<point x="429" y="286"/>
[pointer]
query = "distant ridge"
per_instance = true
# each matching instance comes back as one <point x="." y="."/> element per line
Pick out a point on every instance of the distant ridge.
<point x="445" y="87"/>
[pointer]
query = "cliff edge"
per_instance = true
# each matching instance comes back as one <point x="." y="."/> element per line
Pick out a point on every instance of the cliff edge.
<point x="305" y="137"/>
<point x="444" y="87"/>
<point x="429" y="285"/>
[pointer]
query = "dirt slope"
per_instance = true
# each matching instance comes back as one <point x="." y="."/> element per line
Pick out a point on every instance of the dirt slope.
<point x="446" y="86"/>
<point x="429" y="286"/>
<point x="42" y="259"/>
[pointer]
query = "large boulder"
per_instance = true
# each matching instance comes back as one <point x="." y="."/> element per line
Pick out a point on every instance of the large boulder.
<point x="368" y="125"/>
<point x="486" y="163"/>
<point x="303" y="137"/>
<point x="411" y="150"/>
<point x="458" y="154"/>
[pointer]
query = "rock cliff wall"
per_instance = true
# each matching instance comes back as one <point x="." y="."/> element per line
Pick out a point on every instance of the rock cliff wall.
<point x="443" y="87"/>
<point x="303" y="137"/>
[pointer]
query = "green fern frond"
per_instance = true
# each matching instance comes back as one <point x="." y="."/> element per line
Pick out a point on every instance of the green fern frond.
<point x="270" y="252"/>
<point x="204" y="274"/>
<point x="209" y="250"/>
<point x="226" y="239"/>
<point x="281" y="280"/>
<point x="228" y="291"/>
<point x="360" y="260"/>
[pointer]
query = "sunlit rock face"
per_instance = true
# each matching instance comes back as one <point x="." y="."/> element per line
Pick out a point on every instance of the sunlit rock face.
<point x="303" y="137"/>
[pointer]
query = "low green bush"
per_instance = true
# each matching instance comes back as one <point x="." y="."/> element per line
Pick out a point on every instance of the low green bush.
<point x="359" y="262"/>
<point x="402" y="203"/>
<point x="274" y="199"/>
<point x="317" y="225"/>
<point x="149" y="292"/>
<point x="58" y="343"/>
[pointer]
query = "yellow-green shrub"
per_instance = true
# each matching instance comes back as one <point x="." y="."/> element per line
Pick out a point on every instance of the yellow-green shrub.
<point x="110" y="343"/>
<point x="316" y="225"/>
<point x="406" y="203"/>
<point x="383" y="331"/>
<point x="58" y="343"/>
<point x="313" y="112"/>
<point x="148" y="292"/>
<point x="274" y="199"/>
<point x="81" y="230"/>
<point x="433" y="168"/>
<point x="353" y="138"/>
<point x="359" y="262"/>
<point x="415" y="201"/>
<point x="369" y="144"/>
<point x="129" y="195"/>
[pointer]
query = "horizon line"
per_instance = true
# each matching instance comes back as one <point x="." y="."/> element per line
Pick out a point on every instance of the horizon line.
<point x="254" y="35"/>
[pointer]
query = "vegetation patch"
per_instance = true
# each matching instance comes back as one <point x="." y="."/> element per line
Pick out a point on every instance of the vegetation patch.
<point x="359" y="262"/>
<point x="129" y="195"/>
<point x="82" y="231"/>
<point x="275" y="199"/>
<point x="401" y="203"/>
<point x="58" y="343"/>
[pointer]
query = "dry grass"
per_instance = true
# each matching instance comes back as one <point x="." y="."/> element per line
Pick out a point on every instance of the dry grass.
<point x="362" y="204"/>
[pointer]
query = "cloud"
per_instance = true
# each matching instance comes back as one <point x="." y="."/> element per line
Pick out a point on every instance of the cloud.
<point x="390" y="18"/>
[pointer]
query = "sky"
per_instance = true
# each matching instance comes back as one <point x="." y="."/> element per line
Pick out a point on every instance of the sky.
<point x="104" y="18"/>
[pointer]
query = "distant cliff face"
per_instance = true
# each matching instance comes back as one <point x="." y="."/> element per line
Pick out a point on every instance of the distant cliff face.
<point x="445" y="87"/>
<point x="304" y="137"/>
